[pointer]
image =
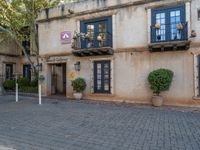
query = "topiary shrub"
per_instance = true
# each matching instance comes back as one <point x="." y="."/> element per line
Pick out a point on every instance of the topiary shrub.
<point x="9" y="84"/>
<point x="79" y="85"/>
<point x="23" y="82"/>
<point x="160" y="80"/>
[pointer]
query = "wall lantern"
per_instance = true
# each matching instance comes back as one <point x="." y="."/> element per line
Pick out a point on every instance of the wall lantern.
<point x="39" y="67"/>
<point x="77" y="66"/>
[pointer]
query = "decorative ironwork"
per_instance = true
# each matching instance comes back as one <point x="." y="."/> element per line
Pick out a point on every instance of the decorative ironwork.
<point x="96" y="40"/>
<point x="169" y="32"/>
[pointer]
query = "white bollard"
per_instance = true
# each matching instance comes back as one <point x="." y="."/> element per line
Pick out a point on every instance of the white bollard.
<point x="40" y="94"/>
<point x="17" y="95"/>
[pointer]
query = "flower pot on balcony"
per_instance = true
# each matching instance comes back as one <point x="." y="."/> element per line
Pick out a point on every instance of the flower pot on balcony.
<point x="99" y="38"/>
<point x="158" y="37"/>
<point x="157" y="25"/>
<point x="179" y="26"/>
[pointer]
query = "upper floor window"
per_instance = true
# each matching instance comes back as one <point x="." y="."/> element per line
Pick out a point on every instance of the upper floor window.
<point x="98" y="33"/>
<point x="168" y="24"/>
<point x="27" y="71"/>
<point x="26" y="45"/>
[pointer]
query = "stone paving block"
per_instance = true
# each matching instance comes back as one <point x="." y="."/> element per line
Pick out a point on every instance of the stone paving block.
<point x="84" y="125"/>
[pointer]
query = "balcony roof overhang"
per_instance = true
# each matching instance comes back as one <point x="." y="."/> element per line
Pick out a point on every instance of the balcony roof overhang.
<point x="93" y="51"/>
<point x="169" y="46"/>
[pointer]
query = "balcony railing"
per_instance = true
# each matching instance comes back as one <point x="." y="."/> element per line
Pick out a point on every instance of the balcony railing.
<point x="93" y="40"/>
<point x="169" y="32"/>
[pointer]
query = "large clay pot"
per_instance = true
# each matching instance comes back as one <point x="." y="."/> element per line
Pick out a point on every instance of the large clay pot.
<point x="157" y="100"/>
<point x="78" y="96"/>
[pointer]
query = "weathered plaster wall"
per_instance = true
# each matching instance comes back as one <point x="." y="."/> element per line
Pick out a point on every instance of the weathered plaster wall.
<point x="9" y="47"/>
<point x="131" y="68"/>
<point x="195" y="23"/>
<point x="49" y="36"/>
<point x="135" y="19"/>
<point x="130" y="76"/>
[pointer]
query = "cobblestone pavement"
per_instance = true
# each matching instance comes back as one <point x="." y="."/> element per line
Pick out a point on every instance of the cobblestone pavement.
<point x="84" y="125"/>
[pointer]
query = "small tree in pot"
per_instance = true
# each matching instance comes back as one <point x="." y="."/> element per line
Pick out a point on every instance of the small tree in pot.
<point x="79" y="86"/>
<point x="160" y="80"/>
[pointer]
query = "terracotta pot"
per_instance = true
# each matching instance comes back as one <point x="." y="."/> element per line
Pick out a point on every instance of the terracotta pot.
<point x="157" y="100"/>
<point x="78" y="96"/>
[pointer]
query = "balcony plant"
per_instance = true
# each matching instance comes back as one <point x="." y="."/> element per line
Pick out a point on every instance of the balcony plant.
<point x="79" y="86"/>
<point x="159" y="80"/>
<point x="179" y="26"/>
<point x="157" y="25"/>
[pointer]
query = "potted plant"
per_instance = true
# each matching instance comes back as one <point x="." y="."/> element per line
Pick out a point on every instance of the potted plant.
<point x="159" y="80"/>
<point x="179" y="26"/>
<point x="157" y="25"/>
<point x="79" y="86"/>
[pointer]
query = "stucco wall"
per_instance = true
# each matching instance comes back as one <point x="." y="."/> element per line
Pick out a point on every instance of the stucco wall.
<point x="9" y="47"/>
<point x="130" y="24"/>
<point x="130" y="67"/>
<point x="130" y="76"/>
<point x="195" y="25"/>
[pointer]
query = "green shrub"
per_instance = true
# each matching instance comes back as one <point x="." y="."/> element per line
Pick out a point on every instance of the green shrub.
<point x="34" y="83"/>
<point x="28" y="89"/>
<point x="23" y="82"/>
<point x="160" y="80"/>
<point x="9" y="84"/>
<point x="79" y="85"/>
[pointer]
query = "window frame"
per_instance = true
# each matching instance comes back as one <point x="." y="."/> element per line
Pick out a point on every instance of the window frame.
<point x="101" y="91"/>
<point x="10" y="75"/>
<point x="198" y="14"/>
<point x="84" y="23"/>
<point x="167" y="11"/>
<point x="27" y="66"/>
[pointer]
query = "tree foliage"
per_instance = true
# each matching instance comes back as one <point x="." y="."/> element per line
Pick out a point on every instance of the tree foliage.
<point x="18" y="21"/>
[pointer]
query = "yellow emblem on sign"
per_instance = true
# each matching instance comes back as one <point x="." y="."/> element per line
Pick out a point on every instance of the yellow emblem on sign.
<point x="71" y="75"/>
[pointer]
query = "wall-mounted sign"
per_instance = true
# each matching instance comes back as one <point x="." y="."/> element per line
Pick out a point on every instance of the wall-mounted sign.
<point x="71" y="75"/>
<point x="66" y="37"/>
<point x="57" y="59"/>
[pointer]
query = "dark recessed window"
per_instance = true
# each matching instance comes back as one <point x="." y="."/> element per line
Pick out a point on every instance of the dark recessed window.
<point x="198" y="14"/>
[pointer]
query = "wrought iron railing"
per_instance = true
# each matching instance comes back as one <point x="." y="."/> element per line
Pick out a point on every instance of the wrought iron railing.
<point x="169" y="32"/>
<point x="95" y="40"/>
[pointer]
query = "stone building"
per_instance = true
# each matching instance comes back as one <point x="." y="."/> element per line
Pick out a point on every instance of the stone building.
<point x="117" y="44"/>
<point x="13" y="61"/>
